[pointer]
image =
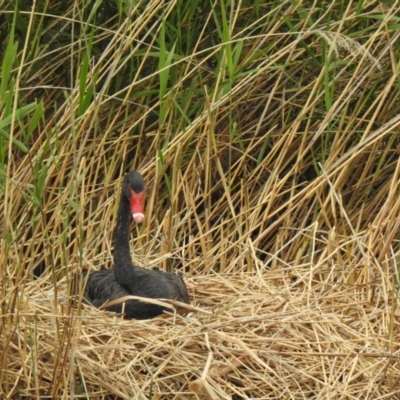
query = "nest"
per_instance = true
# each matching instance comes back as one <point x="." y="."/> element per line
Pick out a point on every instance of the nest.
<point x="279" y="333"/>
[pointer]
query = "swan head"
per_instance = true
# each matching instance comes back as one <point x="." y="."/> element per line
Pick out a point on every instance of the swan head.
<point x="133" y="188"/>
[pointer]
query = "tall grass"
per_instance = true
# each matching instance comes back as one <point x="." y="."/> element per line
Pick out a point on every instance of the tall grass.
<point x="268" y="136"/>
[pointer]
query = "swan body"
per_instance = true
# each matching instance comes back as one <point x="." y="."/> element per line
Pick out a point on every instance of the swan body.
<point x="126" y="279"/>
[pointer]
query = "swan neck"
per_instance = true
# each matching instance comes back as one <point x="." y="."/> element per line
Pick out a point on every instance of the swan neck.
<point x="122" y="255"/>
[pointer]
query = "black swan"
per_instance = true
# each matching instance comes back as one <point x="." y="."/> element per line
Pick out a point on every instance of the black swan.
<point x="126" y="279"/>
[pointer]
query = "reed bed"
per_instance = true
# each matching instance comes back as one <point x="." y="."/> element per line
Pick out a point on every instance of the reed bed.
<point x="268" y="138"/>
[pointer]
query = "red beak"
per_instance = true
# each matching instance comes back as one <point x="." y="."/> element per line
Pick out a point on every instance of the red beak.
<point x="137" y="208"/>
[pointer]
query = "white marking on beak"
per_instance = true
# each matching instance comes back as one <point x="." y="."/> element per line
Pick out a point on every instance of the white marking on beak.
<point x="138" y="217"/>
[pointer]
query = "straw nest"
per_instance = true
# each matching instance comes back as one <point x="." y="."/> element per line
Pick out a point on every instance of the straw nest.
<point x="303" y="331"/>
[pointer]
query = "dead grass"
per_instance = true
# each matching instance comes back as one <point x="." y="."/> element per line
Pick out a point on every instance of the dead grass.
<point x="291" y="332"/>
<point x="274" y="191"/>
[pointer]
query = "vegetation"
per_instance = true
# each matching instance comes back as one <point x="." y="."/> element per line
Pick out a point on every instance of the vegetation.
<point x="268" y="135"/>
